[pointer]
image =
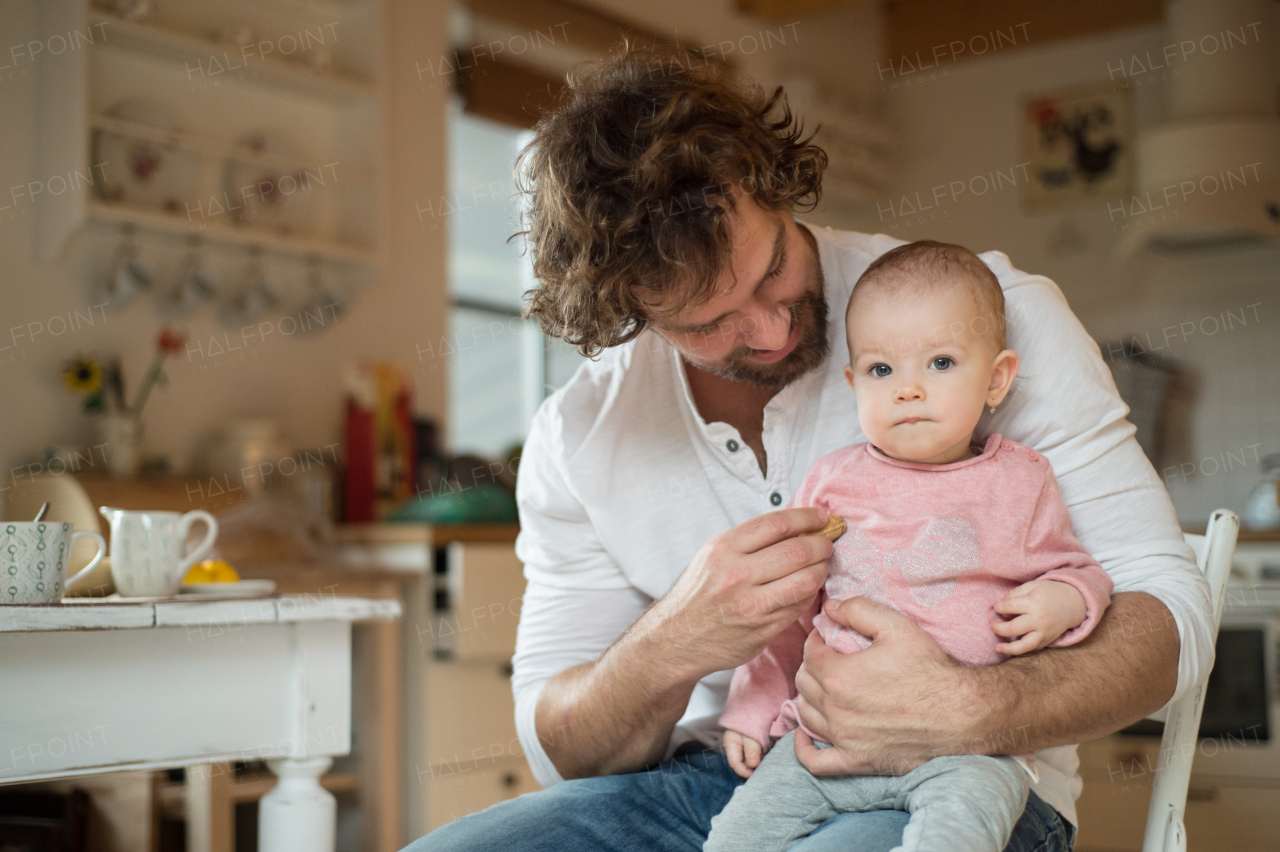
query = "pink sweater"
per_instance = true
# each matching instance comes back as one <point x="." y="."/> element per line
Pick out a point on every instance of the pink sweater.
<point x="940" y="544"/>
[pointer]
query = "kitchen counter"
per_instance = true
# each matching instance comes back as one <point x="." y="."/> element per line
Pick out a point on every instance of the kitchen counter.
<point x="1245" y="534"/>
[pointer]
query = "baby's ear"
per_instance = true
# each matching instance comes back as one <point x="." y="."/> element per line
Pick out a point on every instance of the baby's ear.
<point x="848" y="375"/>
<point x="1003" y="372"/>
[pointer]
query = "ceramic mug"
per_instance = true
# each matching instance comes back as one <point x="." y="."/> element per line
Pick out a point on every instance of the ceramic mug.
<point x="127" y="278"/>
<point x="34" y="557"/>
<point x="147" y="558"/>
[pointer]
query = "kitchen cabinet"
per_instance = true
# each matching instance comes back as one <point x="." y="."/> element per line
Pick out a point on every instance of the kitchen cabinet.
<point x="474" y="758"/>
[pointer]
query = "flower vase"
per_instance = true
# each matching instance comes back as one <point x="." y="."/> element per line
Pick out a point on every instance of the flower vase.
<point x="121" y="438"/>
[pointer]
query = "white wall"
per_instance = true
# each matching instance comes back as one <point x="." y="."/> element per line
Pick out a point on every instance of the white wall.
<point x="290" y="379"/>
<point x="1217" y="321"/>
<point x="955" y="127"/>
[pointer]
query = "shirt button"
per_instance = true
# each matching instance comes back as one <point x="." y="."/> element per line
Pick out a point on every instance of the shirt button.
<point x="732" y="445"/>
<point x="775" y="498"/>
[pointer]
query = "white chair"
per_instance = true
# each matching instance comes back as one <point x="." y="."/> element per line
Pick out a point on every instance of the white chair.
<point x="1165" y="830"/>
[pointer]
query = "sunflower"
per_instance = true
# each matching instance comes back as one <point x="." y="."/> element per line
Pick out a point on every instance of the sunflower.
<point x="82" y="375"/>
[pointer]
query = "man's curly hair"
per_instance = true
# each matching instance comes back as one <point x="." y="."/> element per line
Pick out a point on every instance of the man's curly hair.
<point x="629" y="181"/>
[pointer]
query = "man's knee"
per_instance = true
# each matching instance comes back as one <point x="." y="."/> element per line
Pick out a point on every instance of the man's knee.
<point x="534" y="822"/>
<point x="498" y="827"/>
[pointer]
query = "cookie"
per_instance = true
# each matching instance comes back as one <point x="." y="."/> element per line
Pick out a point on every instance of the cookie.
<point x="835" y="527"/>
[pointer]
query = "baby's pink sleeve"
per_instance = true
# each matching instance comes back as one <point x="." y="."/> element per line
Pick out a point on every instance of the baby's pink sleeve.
<point x="1054" y="553"/>
<point x="761" y="686"/>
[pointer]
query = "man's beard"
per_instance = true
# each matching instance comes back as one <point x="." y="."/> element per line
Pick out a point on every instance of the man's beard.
<point x="810" y="310"/>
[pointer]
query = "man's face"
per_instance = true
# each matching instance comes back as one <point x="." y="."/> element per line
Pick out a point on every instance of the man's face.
<point x="766" y="322"/>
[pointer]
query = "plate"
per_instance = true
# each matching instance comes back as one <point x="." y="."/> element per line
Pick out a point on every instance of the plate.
<point x="143" y="172"/>
<point x="265" y="196"/>
<point x="241" y="589"/>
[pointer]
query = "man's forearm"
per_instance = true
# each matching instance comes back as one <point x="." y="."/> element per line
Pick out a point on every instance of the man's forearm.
<point x="615" y="714"/>
<point x="1125" y="670"/>
<point x="743" y="587"/>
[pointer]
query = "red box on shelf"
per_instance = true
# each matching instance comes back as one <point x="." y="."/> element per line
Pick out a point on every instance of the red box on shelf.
<point x="379" y="442"/>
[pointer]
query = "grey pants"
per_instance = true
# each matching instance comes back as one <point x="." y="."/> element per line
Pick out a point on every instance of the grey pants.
<point x="965" y="802"/>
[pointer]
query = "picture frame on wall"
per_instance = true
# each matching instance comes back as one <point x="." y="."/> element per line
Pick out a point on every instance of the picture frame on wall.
<point x="1078" y="144"/>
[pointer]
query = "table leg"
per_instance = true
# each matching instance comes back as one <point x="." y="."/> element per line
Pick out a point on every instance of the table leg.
<point x="298" y="813"/>
<point x="211" y="814"/>
<point x="377" y="669"/>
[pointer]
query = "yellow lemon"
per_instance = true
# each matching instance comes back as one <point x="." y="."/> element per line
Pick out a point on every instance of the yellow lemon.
<point x="221" y="571"/>
<point x="198" y="574"/>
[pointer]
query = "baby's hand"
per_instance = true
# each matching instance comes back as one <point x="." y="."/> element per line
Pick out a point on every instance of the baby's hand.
<point x="1045" y="609"/>
<point x="744" y="753"/>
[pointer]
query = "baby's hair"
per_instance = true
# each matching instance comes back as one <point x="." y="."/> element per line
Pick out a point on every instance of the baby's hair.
<point x="926" y="266"/>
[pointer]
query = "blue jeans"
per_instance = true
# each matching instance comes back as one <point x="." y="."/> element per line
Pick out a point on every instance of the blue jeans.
<point x="669" y="809"/>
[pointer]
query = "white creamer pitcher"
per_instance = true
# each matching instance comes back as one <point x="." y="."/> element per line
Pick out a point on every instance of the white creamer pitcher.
<point x="147" y="558"/>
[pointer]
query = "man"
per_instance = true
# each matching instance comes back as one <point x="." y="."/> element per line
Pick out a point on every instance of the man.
<point x="656" y="555"/>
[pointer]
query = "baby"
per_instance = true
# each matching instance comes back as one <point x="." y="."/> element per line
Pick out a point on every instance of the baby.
<point x="969" y="539"/>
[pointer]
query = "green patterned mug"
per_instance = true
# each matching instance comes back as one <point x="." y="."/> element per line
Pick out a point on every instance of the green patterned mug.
<point x="34" y="557"/>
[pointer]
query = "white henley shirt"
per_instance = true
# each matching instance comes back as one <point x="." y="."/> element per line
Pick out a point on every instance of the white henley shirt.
<point x="622" y="481"/>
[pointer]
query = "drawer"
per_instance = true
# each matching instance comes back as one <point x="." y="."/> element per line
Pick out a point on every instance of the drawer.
<point x="470" y="713"/>
<point x="1118" y="773"/>
<point x="1112" y="808"/>
<point x="455" y="794"/>
<point x="486" y="587"/>
<point x="1242" y="819"/>
<point x="1117" y="757"/>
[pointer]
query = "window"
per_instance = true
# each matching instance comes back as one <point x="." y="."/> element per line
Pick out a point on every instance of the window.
<point x="501" y="367"/>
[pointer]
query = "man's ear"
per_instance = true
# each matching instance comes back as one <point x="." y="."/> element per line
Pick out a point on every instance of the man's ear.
<point x="848" y="375"/>
<point x="1002" y="374"/>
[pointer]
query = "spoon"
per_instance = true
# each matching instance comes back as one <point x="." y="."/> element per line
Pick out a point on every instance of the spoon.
<point x="40" y="514"/>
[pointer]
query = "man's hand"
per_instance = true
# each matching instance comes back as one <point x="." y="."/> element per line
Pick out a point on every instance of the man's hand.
<point x="903" y="701"/>
<point x="743" y="588"/>
<point x="1039" y="612"/>
<point x="743" y="752"/>
<point x="882" y="708"/>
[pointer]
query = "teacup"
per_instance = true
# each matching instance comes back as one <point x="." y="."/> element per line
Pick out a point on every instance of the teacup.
<point x="34" y="557"/>
<point x="147" y="559"/>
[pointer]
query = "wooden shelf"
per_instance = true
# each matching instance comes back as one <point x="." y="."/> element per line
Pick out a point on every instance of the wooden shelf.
<point x="214" y="148"/>
<point x="223" y="232"/>
<point x="180" y="47"/>
<point x="446" y="533"/>
<point x="437" y="535"/>
<point x="331" y="99"/>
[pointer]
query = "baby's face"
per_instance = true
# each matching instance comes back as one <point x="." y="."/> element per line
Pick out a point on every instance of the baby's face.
<point x="923" y="367"/>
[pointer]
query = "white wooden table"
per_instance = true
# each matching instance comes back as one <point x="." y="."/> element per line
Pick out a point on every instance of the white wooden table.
<point x="92" y="686"/>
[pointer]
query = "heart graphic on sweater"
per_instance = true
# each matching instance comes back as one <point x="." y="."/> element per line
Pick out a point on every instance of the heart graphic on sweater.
<point x="946" y="549"/>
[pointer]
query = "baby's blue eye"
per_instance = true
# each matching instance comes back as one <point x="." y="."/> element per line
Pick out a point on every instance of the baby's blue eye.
<point x="881" y="370"/>
<point x="942" y="363"/>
